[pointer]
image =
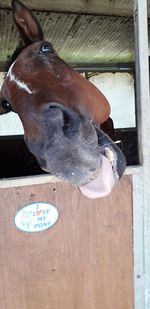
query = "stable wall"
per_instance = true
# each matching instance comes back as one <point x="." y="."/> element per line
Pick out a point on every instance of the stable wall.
<point x="117" y="87"/>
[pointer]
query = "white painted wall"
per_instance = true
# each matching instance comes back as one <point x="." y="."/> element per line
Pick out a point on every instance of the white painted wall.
<point x="119" y="90"/>
<point x="117" y="87"/>
<point x="10" y="123"/>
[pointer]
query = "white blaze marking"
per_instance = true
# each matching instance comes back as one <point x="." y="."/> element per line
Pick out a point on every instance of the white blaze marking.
<point x="21" y="84"/>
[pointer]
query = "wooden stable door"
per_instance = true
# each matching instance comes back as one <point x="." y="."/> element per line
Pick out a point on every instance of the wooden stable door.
<point x="83" y="262"/>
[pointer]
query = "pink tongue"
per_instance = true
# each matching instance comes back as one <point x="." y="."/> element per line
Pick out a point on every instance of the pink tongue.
<point x="102" y="184"/>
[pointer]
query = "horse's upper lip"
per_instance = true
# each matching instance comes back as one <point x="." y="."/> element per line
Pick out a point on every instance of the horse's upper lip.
<point x="111" y="156"/>
<point x="112" y="152"/>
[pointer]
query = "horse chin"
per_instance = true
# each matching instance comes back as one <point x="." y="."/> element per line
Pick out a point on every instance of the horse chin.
<point x="76" y="174"/>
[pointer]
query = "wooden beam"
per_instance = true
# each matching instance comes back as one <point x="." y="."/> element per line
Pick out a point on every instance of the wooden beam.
<point x="106" y="7"/>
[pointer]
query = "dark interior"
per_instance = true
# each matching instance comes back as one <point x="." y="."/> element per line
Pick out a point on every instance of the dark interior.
<point x="17" y="161"/>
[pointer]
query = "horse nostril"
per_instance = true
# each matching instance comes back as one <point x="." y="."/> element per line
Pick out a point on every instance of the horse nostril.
<point x="68" y="129"/>
<point x="71" y="124"/>
<point x="69" y="120"/>
<point x="63" y="118"/>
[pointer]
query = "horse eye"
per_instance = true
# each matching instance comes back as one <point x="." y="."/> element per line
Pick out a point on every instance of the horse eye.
<point x="6" y="105"/>
<point x="46" y="48"/>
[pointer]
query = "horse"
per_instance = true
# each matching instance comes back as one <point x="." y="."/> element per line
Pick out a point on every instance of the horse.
<point x="62" y="113"/>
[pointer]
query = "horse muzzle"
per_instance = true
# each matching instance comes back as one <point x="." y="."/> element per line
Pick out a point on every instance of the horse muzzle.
<point x="72" y="148"/>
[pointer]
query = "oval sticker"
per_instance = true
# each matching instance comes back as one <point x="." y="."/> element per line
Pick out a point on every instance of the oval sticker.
<point x="36" y="217"/>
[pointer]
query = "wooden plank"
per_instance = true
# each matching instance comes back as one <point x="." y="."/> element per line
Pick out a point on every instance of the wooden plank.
<point x="105" y="7"/>
<point x="83" y="261"/>
<point x="46" y="178"/>
<point x="28" y="180"/>
<point x="117" y="7"/>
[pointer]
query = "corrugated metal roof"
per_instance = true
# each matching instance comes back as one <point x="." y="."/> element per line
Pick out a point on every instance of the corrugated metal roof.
<point x="78" y="38"/>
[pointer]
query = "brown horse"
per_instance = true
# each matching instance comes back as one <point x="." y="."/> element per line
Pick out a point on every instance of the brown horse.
<point x="62" y="113"/>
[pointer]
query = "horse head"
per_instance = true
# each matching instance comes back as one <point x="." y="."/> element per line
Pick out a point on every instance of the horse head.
<point x="61" y="112"/>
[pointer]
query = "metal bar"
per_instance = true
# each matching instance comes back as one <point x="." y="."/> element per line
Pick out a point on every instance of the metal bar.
<point x="101" y="67"/>
<point x="95" y="67"/>
<point x="142" y="252"/>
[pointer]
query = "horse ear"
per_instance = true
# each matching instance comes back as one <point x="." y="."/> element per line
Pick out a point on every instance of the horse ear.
<point x="27" y="24"/>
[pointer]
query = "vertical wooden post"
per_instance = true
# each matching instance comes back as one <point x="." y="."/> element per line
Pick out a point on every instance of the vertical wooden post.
<point x="143" y="118"/>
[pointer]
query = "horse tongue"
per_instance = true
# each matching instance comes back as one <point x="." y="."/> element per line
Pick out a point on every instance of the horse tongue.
<point x="101" y="185"/>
